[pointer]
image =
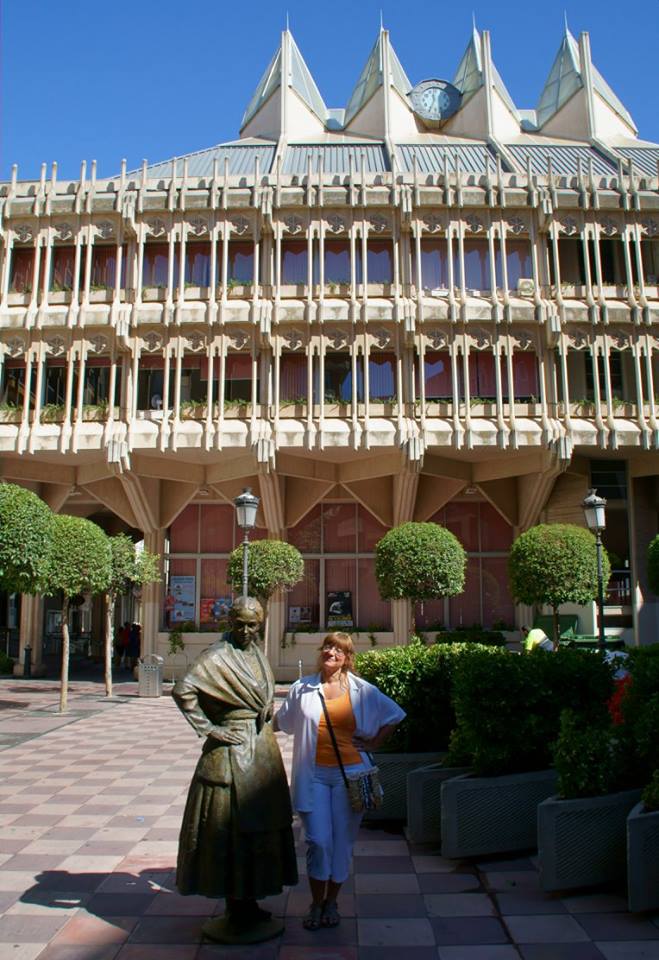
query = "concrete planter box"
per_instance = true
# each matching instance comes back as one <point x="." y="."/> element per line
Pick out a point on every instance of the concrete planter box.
<point x="581" y="842"/>
<point x="394" y="769"/>
<point x="424" y="809"/>
<point x="642" y="859"/>
<point x="484" y="815"/>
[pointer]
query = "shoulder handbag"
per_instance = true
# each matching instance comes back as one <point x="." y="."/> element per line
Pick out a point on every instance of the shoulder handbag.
<point x="364" y="789"/>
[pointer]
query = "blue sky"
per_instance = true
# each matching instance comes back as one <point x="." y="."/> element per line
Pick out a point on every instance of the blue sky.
<point x="155" y="78"/>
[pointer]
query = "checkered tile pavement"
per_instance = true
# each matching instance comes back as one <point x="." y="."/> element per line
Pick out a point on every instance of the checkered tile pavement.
<point x="90" y="806"/>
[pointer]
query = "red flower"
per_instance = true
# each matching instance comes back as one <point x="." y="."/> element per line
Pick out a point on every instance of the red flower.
<point x="615" y="703"/>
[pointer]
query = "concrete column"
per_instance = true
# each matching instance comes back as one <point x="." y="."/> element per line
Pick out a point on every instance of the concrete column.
<point x="151" y="596"/>
<point x="31" y="633"/>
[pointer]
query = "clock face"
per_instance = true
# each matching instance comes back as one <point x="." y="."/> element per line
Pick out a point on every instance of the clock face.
<point x="435" y="100"/>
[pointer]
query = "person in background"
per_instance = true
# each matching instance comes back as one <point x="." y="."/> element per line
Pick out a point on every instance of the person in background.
<point x="536" y="639"/>
<point x="121" y="645"/>
<point x="362" y="718"/>
<point x="134" y="644"/>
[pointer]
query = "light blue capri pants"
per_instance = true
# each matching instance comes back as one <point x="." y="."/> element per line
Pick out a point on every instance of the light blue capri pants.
<point x="331" y="826"/>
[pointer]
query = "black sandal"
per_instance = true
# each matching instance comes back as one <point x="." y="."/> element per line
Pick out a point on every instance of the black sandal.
<point x="313" y="919"/>
<point x="330" y="916"/>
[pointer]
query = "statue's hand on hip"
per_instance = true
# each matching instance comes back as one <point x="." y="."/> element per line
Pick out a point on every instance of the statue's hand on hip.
<point x="226" y="735"/>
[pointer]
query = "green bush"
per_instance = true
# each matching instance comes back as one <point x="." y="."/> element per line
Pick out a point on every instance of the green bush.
<point x="653" y="565"/>
<point x="419" y="561"/>
<point x="650" y="795"/>
<point x="639" y="710"/>
<point x="272" y="565"/>
<point x="508" y="707"/>
<point x="586" y="757"/>
<point x="419" y="678"/>
<point x="487" y="638"/>
<point x="25" y="539"/>
<point x="6" y="663"/>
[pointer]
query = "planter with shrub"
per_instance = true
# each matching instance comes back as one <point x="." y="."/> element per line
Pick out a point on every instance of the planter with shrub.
<point x="643" y="850"/>
<point x="581" y="832"/>
<point x="507" y="715"/>
<point x="418" y="677"/>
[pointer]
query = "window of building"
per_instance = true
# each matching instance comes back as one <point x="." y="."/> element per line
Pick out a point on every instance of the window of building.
<point x="197" y="264"/>
<point x="612" y="259"/>
<point x="293" y="378"/>
<point x="337" y="541"/>
<point x="379" y="262"/>
<point x="438" y="378"/>
<point x="518" y="262"/>
<point x="615" y="373"/>
<point x="238" y="377"/>
<point x="150" y="383"/>
<point x="338" y="379"/>
<point x="570" y="261"/>
<point x="240" y="265"/>
<point x="22" y="270"/>
<point x="54" y="382"/>
<point x="96" y="391"/>
<point x="609" y="478"/>
<point x="62" y="268"/>
<point x="13" y="383"/>
<point x="337" y="262"/>
<point x="155" y="266"/>
<point x="482" y="378"/>
<point x="434" y="264"/>
<point x="477" y="273"/>
<point x="294" y="262"/>
<point x="382" y="377"/>
<point x="486" y="599"/>
<point x="104" y="268"/>
<point x="525" y="377"/>
<point x="650" y="259"/>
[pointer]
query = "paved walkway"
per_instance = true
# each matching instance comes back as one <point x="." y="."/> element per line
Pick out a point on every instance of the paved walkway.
<point x="90" y="806"/>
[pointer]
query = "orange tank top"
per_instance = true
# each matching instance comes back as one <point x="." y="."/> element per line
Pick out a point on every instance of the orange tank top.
<point x="343" y="724"/>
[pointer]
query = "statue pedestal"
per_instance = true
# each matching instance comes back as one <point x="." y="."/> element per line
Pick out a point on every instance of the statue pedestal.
<point x="226" y="930"/>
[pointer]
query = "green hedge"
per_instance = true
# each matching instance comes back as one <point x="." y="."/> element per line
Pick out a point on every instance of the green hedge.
<point x="419" y="678"/>
<point x="508" y="706"/>
<point x="488" y="638"/>
<point x="6" y="663"/>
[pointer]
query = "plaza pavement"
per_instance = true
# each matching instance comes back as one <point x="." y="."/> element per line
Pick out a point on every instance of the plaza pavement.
<point x="90" y="806"/>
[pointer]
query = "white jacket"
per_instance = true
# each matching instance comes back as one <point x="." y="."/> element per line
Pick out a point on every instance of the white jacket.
<point x="300" y="715"/>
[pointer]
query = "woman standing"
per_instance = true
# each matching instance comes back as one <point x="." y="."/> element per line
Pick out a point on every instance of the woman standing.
<point x="362" y="718"/>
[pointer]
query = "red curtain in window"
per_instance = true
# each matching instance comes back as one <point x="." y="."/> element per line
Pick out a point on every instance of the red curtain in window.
<point x="497" y="602"/>
<point x="337" y="261"/>
<point x="496" y="533"/>
<point x="104" y="267"/>
<point x="293" y="377"/>
<point x="429" y="615"/>
<point x="437" y="370"/>
<point x="525" y="375"/>
<point x="465" y="609"/>
<point x="63" y="262"/>
<point x="155" y="265"/>
<point x="482" y="382"/>
<point x="518" y="262"/>
<point x="462" y="519"/>
<point x="197" y="264"/>
<point x="434" y="264"/>
<point x="22" y="270"/>
<point x="477" y="264"/>
<point x="239" y="366"/>
<point x="369" y="530"/>
<point x="217" y="522"/>
<point x="184" y="531"/>
<point x="240" y="267"/>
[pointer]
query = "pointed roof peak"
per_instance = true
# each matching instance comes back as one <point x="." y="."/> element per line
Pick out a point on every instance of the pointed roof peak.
<point x="566" y="78"/>
<point x="299" y="79"/>
<point x="372" y="76"/>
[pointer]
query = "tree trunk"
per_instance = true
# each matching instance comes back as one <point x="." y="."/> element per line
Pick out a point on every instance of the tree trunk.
<point x="555" y="638"/>
<point x="64" y="684"/>
<point x="109" y="634"/>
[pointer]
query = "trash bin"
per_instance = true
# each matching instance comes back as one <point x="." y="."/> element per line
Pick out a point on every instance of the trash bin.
<point x="150" y="676"/>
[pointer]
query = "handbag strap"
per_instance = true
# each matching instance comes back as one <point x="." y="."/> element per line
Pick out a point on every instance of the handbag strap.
<point x="333" y="738"/>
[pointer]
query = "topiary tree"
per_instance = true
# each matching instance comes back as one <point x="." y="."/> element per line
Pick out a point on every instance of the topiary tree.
<point x="273" y="565"/>
<point x="653" y="565"/>
<point x="129" y="568"/>
<point x="419" y="561"/>
<point x="555" y="563"/>
<point x="80" y="562"/>
<point x="25" y="535"/>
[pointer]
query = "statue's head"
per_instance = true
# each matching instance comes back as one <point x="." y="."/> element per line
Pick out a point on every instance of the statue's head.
<point x="246" y="618"/>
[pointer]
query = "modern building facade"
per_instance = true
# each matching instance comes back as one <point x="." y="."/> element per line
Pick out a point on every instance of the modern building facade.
<point x="428" y="305"/>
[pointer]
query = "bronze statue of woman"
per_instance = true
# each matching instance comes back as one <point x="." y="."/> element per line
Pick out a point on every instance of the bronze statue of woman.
<point x="236" y="839"/>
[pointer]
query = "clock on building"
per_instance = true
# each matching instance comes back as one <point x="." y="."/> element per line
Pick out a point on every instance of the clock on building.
<point x="435" y="100"/>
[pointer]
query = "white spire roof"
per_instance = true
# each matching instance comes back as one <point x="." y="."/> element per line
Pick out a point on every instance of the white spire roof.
<point x="469" y="75"/>
<point x="565" y="79"/>
<point x="372" y="77"/>
<point x="299" y="79"/>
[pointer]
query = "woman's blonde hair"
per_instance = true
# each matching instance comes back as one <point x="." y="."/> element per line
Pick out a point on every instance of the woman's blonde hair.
<point x="344" y="642"/>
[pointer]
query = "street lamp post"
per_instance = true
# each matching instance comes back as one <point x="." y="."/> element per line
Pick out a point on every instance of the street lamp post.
<point x="246" y="506"/>
<point x="594" y="508"/>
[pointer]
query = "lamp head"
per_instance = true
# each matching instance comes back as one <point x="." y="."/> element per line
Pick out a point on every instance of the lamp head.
<point x="246" y="506"/>
<point x="594" y="508"/>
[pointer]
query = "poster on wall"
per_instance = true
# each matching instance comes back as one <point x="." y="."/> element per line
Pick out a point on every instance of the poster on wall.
<point x="339" y="610"/>
<point x="181" y="599"/>
<point x="299" y="617"/>
<point x="214" y="609"/>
